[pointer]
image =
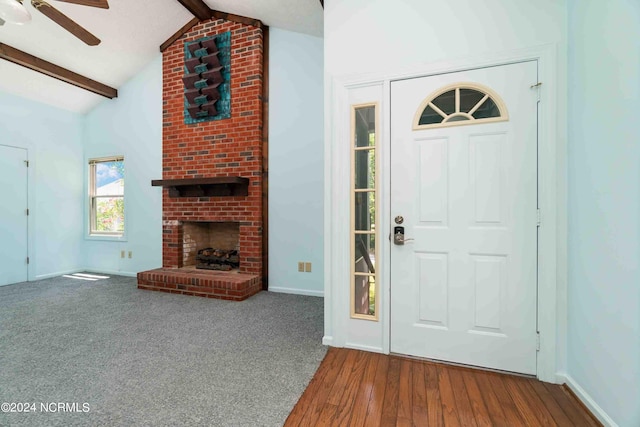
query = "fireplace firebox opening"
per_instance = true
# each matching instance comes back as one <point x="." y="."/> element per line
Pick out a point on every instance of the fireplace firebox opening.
<point x="211" y="245"/>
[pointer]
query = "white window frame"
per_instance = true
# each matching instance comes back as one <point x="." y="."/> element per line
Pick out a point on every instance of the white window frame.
<point x="91" y="201"/>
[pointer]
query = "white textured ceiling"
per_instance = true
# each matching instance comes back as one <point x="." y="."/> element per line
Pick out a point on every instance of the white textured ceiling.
<point x="131" y="32"/>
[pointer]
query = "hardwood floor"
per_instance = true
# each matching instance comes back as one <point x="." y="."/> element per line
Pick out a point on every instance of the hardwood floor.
<point x="356" y="388"/>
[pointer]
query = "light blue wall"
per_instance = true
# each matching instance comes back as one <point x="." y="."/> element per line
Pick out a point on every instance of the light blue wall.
<point x="60" y="143"/>
<point x="295" y="161"/>
<point x="131" y="125"/>
<point x="603" y="354"/>
<point x="53" y="138"/>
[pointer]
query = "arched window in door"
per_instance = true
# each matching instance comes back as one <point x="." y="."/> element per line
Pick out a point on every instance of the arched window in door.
<point x="460" y="104"/>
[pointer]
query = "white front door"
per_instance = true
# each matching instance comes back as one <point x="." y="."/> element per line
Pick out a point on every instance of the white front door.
<point x="464" y="289"/>
<point x="13" y="215"/>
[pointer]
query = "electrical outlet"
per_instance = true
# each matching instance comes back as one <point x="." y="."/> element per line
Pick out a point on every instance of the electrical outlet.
<point x="300" y="266"/>
<point x="121" y="254"/>
<point x="307" y="267"/>
<point x="130" y="254"/>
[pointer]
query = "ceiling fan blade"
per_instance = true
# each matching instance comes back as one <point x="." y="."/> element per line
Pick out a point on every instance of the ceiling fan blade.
<point x="102" y="4"/>
<point x="65" y="22"/>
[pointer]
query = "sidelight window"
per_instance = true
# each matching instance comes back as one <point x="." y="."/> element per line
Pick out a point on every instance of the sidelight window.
<point x="364" y="212"/>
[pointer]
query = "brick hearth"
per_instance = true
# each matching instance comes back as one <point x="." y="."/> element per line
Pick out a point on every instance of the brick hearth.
<point x="201" y="283"/>
<point x="229" y="147"/>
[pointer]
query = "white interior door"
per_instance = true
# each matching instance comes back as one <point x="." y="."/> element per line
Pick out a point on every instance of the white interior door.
<point x="13" y="215"/>
<point x="464" y="290"/>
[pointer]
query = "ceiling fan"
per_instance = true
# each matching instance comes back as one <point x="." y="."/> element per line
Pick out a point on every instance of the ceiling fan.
<point x="13" y="11"/>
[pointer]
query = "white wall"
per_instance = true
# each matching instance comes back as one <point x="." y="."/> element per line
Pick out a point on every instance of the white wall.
<point x="296" y="148"/>
<point x="375" y="35"/>
<point x="604" y="205"/>
<point x="53" y="139"/>
<point x="131" y="125"/>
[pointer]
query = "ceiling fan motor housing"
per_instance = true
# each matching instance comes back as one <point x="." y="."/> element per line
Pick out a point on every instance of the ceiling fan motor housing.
<point x="13" y="12"/>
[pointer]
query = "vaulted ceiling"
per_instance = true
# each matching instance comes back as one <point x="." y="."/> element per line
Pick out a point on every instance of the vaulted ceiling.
<point x="131" y="32"/>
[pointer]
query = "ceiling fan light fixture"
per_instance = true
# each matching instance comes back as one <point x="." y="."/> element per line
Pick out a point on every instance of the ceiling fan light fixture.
<point x="14" y="12"/>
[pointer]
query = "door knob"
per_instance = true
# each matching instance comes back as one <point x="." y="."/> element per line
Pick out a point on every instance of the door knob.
<point x="399" y="239"/>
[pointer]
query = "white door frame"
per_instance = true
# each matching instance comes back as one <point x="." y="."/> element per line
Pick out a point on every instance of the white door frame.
<point x="340" y="329"/>
<point x="31" y="267"/>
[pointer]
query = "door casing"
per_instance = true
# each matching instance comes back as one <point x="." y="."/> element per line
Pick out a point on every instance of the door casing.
<point x="30" y="202"/>
<point x="343" y="91"/>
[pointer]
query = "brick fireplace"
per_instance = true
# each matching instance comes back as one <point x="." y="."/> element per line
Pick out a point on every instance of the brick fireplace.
<point x="212" y="173"/>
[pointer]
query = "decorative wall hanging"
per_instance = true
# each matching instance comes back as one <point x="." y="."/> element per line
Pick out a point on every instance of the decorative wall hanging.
<point x="206" y="80"/>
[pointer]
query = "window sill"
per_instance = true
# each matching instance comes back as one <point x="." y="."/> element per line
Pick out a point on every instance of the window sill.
<point x="106" y="237"/>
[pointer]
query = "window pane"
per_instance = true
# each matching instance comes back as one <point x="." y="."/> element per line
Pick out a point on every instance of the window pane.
<point x="365" y="295"/>
<point x="365" y="211"/>
<point x="365" y="169"/>
<point x="487" y="109"/>
<point x="365" y="253"/>
<point x="429" y="117"/>
<point x="446" y="102"/>
<point x="109" y="178"/>
<point x="469" y="98"/>
<point x="109" y="213"/>
<point x="365" y="126"/>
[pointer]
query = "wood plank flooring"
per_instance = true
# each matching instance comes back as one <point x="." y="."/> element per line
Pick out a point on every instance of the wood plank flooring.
<point x="356" y="388"/>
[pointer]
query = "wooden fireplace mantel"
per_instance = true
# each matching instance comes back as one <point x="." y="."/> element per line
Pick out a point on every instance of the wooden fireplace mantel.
<point x="205" y="187"/>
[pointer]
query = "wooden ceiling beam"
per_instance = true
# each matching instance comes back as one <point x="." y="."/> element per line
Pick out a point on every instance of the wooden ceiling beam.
<point x="237" y="18"/>
<point x="198" y="8"/>
<point x="213" y="14"/>
<point x="189" y="25"/>
<point x="34" y="63"/>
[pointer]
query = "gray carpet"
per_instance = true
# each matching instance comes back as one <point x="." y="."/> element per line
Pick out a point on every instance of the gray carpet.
<point x="141" y="358"/>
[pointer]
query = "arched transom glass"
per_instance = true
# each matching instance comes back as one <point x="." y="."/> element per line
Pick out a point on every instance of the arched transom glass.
<point x="460" y="104"/>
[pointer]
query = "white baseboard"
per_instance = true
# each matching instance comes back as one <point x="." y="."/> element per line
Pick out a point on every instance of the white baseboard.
<point x="58" y="273"/>
<point x="588" y="401"/>
<point x="560" y="378"/>
<point x="328" y="340"/>
<point x="296" y="291"/>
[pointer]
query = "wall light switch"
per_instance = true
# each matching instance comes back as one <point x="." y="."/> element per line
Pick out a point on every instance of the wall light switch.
<point x="121" y="254"/>
<point x="130" y="254"/>
<point x="301" y="266"/>
<point x="307" y="267"/>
